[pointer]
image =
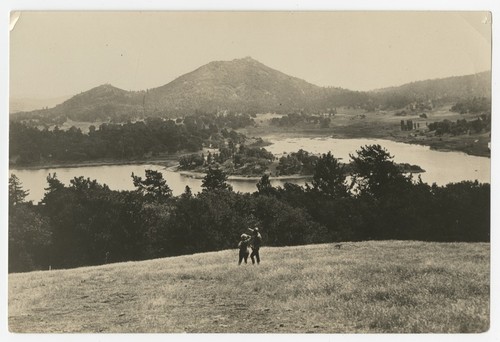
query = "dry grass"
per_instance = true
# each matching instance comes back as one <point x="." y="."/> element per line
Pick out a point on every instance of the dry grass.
<point x="389" y="286"/>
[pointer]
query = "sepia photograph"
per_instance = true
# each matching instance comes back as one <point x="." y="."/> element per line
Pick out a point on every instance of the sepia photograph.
<point x="282" y="172"/>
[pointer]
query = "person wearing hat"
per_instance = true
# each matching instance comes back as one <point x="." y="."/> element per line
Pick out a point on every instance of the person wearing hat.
<point x="256" y="243"/>
<point x="243" y="246"/>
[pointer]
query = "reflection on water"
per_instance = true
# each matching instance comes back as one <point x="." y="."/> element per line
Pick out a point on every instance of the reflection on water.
<point x="441" y="167"/>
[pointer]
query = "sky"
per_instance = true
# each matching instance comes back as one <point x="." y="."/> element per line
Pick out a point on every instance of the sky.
<point x="56" y="54"/>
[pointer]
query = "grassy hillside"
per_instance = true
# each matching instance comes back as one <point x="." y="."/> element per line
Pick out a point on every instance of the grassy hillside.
<point x="389" y="286"/>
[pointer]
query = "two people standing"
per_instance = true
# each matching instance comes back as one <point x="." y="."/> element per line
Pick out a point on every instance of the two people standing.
<point x="254" y="241"/>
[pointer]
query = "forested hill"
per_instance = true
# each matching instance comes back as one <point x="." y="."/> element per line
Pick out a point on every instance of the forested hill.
<point x="241" y="85"/>
<point x="442" y="89"/>
<point x="101" y="103"/>
<point x="247" y="86"/>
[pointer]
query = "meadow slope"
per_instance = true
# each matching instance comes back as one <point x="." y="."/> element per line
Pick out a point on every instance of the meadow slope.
<point x="386" y="286"/>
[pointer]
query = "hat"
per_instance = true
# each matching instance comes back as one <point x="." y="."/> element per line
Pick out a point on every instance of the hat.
<point x="244" y="236"/>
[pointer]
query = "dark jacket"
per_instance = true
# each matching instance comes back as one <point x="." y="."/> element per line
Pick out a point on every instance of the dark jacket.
<point x="243" y="245"/>
<point x="257" y="241"/>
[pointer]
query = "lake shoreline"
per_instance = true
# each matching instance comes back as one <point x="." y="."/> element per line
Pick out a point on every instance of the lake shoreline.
<point x="167" y="162"/>
<point x="171" y="160"/>
<point x="200" y="175"/>
<point x="440" y="167"/>
<point x="293" y="177"/>
<point x="461" y="143"/>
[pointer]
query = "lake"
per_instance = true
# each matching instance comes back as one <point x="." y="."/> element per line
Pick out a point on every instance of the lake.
<point x="441" y="167"/>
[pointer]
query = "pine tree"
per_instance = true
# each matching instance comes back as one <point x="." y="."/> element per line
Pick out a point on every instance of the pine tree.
<point x="16" y="193"/>
<point x="153" y="187"/>
<point x="329" y="177"/>
<point x="215" y="179"/>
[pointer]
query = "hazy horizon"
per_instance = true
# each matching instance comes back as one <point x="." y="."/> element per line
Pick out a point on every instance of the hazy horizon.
<point x="27" y="97"/>
<point x="56" y="54"/>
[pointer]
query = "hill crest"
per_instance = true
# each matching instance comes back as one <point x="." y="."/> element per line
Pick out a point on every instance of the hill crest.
<point x="244" y="85"/>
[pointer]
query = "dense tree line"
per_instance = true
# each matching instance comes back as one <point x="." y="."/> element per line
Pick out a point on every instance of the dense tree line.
<point x="306" y="163"/>
<point x="473" y="105"/>
<point x="29" y="145"/>
<point x="481" y="124"/>
<point x="235" y="160"/>
<point x="86" y="223"/>
<point x="300" y="162"/>
<point x="295" y="119"/>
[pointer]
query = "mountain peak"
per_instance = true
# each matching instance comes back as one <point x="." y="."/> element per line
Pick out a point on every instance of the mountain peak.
<point x="106" y="86"/>
<point x="104" y="89"/>
<point x="237" y="61"/>
<point x="245" y="59"/>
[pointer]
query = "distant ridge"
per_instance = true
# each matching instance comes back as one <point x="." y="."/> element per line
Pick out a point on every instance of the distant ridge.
<point x="449" y="87"/>
<point x="245" y="85"/>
